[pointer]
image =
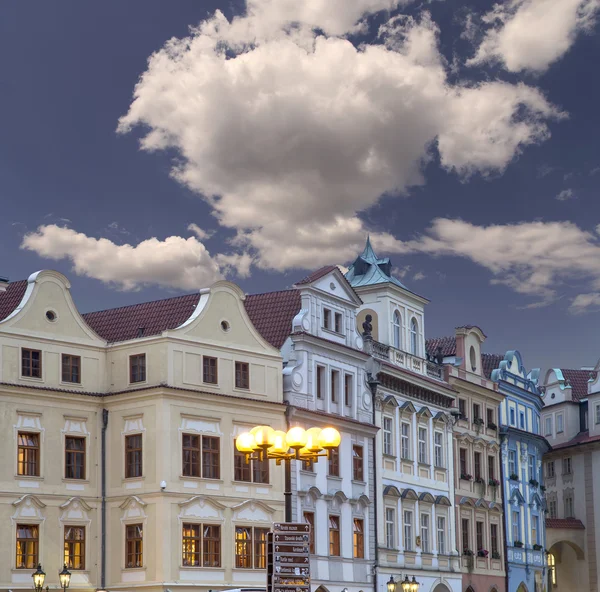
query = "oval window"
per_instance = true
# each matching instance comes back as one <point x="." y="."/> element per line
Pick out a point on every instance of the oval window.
<point x="473" y="359"/>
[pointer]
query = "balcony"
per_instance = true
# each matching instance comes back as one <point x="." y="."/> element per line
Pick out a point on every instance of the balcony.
<point x="403" y="359"/>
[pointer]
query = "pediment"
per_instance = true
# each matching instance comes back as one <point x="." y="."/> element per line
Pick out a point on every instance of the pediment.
<point x="253" y="511"/>
<point x="391" y="401"/>
<point x="409" y="494"/>
<point x="202" y="507"/>
<point x="133" y="507"/>
<point x="424" y="413"/>
<point x="408" y="407"/>
<point x="466" y="501"/>
<point x="391" y="491"/>
<point x="29" y="507"/>
<point x="333" y="283"/>
<point x="75" y="509"/>
<point x="442" y="417"/>
<point x="442" y="500"/>
<point x="426" y="497"/>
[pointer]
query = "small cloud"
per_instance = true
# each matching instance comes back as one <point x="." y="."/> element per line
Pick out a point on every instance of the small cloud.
<point x="441" y="275"/>
<point x="566" y="194"/>
<point x="419" y="276"/>
<point x="401" y="272"/>
<point x="199" y="232"/>
<point x="114" y="226"/>
<point x="585" y="303"/>
<point x="567" y="176"/>
<point x="544" y="170"/>
<point x="343" y="269"/>
<point x="594" y="171"/>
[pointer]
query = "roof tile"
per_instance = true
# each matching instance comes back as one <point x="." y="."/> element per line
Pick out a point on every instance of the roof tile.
<point x="448" y="345"/>
<point x="578" y="379"/>
<point x="11" y="297"/>
<point x="490" y="362"/>
<point x="564" y="523"/>
<point x="316" y="275"/>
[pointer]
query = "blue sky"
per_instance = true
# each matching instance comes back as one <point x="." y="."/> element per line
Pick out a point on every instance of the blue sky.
<point x="463" y="138"/>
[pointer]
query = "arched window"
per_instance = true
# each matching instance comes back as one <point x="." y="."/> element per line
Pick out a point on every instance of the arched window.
<point x="414" y="336"/>
<point x="397" y="328"/>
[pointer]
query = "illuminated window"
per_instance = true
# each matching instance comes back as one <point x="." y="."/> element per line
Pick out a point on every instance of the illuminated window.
<point x="28" y="456"/>
<point x="334" y="536"/>
<point x="75" y="547"/>
<point x="552" y="568"/>
<point x="250" y="547"/>
<point x="134" y="546"/>
<point x="28" y="540"/>
<point x="201" y="545"/>
<point x="309" y="518"/>
<point x="359" y="539"/>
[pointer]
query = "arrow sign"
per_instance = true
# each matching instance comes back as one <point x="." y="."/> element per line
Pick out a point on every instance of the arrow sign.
<point x="291" y="548"/>
<point x="291" y="527"/>
<point x="291" y="580"/>
<point x="292" y="589"/>
<point x="295" y="559"/>
<point x="291" y="538"/>
<point x="291" y="570"/>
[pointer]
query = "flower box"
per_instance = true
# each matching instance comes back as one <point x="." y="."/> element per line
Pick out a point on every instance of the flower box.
<point x="537" y="547"/>
<point x="495" y="555"/>
<point x="514" y="477"/>
<point x="478" y="421"/>
<point x="533" y="482"/>
<point x="482" y="553"/>
<point x="479" y="480"/>
<point x="518" y="544"/>
<point x="493" y="482"/>
<point x="466" y="476"/>
<point x="468" y="553"/>
<point x="492" y="426"/>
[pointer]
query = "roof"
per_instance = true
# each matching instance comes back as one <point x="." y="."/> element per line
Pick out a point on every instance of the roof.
<point x="11" y="297"/>
<point x="564" y="523"/>
<point x="578" y="440"/>
<point x="490" y="362"/>
<point x="578" y="379"/>
<point x="317" y="275"/>
<point x="447" y="344"/>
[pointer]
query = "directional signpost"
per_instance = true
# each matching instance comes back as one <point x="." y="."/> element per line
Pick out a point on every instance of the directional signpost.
<point x="288" y="555"/>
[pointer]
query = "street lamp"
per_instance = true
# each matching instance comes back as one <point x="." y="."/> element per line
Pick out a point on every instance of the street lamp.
<point x="65" y="577"/>
<point x="38" y="578"/>
<point x="299" y="444"/>
<point x="407" y="585"/>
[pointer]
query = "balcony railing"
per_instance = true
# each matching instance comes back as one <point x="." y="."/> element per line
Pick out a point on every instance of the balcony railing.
<point x="408" y="361"/>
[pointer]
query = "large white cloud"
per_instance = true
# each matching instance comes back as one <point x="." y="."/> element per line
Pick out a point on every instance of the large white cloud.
<point x="175" y="262"/>
<point x="532" y="34"/>
<point x="289" y="135"/>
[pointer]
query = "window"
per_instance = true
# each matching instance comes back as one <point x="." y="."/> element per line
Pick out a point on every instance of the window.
<point x="550" y="469"/>
<point x="397" y="330"/>
<point x="137" y="368"/>
<point x="339" y="322"/>
<point x="476" y="411"/>
<point x="566" y="465"/>
<point x="552" y="510"/>
<point x="31" y="363"/>
<point x="466" y="539"/>
<point x="569" y="510"/>
<point x="211" y="465"/>
<point x="242" y="375"/>
<point x="191" y="455"/>
<point x="479" y="533"/>
<point x="531" y="466"/>
<point x="494" y="539"/>
<point x="462" y="408"/>
<point x="255" y="470"/>
<point x="309" y="518"/>
<point x="388" y="442"/>
<point x="28" y="540"/>
<point x="191" y="542"/>
<point x="512" y="416"/>
<point x="308" y="465"/>
<point x="357" y="463"/>
<point x="71" y="368"/>
<point x="390" y="528"/>
<point x="477" y="464"/>
<point x="133" y="456"/>
<point x="438" y="439"/>
<point x="534" y="530"/>
<point x="134" y="545"/>
<point x="413" y="337"/>
<point x="348" y="390"/>
<point x="326" y="318"/>
<point x="552" y="568"/>
<point x="333" y="464"/>
<point x="210" y="373"/>
<point x="260" y="470"/>
<point x="559" y="423"/>
<point x="464" y="469"/>
<point x="408" y="537"/>
<point x="515" y="526"/>
<point x="201" y="545"/>
<point x="441" y="532"/>
<point x="74" y="458"/>
<point x="406" y="441"/>
<point x="597" y="414"/>
<point x="335" y="385"/>
<point x="522" y="420"/>
<point x="75" y="547"/>
<point x="320" y="385"/>
<point x="425" y="533"/>
<point x="359" y="539"/>
<point x="28" y="454"/>
<point x="423" y="445"/>
<point x="490" y="417"/>
<point x="334" y="536"/>
<point x="548" y="424"/>
<point x="250" y="547"/>
<point x="512" y="462"/>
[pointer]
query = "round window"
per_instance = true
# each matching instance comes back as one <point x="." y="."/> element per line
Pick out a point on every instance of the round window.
<point x="51" y="315"/>
<point x="225" y="326"/>
<point x="473" y="359"/>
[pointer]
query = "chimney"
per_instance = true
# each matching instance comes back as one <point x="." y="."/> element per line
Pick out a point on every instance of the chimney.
<point x="3" y="284"/>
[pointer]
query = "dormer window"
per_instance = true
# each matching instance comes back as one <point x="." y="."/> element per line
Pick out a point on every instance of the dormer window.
<point x="414" y="337"/>
<point x="473" y="359"/>
<point x="326" y="318"/>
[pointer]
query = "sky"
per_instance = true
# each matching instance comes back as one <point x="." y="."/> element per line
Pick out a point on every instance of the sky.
<point x="150" y="148"/>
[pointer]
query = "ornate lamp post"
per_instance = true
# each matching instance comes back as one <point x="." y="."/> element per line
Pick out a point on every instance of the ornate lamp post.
<point x="38" y="578"/>
<point x="299" y="444"/>
<point x="65" y="578"/>
<point x="407" y="585"/>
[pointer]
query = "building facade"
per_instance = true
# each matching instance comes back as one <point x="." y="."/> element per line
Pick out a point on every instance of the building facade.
<point x="477" y="485"/>
<point x="522" y="449"/>
<point x="571" y="423"/>
<point x="414" y="467"/>
<point x="117" y="430"/>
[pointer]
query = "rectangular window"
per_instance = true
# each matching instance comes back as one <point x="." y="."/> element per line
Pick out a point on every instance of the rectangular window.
<point x="597" y="414"/>
<point x="31" y="363"/>
<point x="74" y="547"/>
<point x="28" y="540"/>
<point x="531" y="466"/>
<point x="462" y="408"/>
<point x="250" y="547"/>
<point x="71" y="368"/>
<point x="490" y="417"/>
<point x="559" y="424"/>
<point x="133" y="456"/>
<point x="28" y="454"/>
<point x="464" y="469"/>
<point x="438" y="439"/>
<point x="309" y="518"/>
<point x="191" y="455"/>
<point x="357" y="463"/>
<point x="515" y="526"/>
<point x="242" y="471"/>
<point x="423" y="445"/>
<point x="408" y="536"/>
<point x="406" y="441"/>
<point x="359" y="539"/>
<point x="210" y="374"/>
<point x="211" y="465"/>
<point x="388" y="442"/>
<point x="466" y="538"/>
<point x="308" y="465"/>
<point x="260" y="470"/>
<point x="320" y="382"/>
<point x="390" y="528"/>
<point x="479" y="532"/>
<point x="552" y="511"/>
<point x="333" y="464"/>
<point x="441" y="532"/>
<point x="569" y="510"/>
<point x="494" y="539"/>
<point x="491" y="467"/>
<point x="512" y="463"/>
<point x="425" y="533"/>
<point x="548" y="424"/>
<point x="335" y="385"/>
<point x="191" y="542"/>
<point x="522" y="420"/>
<point x="260" y="548"/>
<point x="534" y="530"/>
<point x="242" y="375"/>
<point x="348" y="390"/>
<point x="334" y="536"/>
<point x="134" y="545"/>
<point x="74" y="458"/>
<point x="211" y="546"/>
<point x="566" y="465"/>
<point x="476" y="411"/>
<point x="550" y="469"/>
<point x="477" y="464"/>
<point x="326" y="318"/>
<point x="137" y="368"/>
<point x="339" y="322"/>
<point x="512" y="416"/>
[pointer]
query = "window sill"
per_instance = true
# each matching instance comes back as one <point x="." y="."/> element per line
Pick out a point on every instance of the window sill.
<point x="240" y="482"/>
<point x="201" y="567"/>
<point x="83" y="481"/>
<point x="32" y="378"/>
<point x="392" y="456"/>
<point x="305" y="472"/>
<point x="190" y="478"/>
<point x="132" y="479"/>
<point x="440" y="468"/>
<point x="333" y="332"/>
<point x="357" y="482"/>
<point x="138" y="383"/>
<point x="66" y="383"/>
<point x="241" y="389"/>
<point x="143" y="568"/>
<point x="29" y="477"/>
<point x="424" y="464"/>
<point x="406" y="459"/>
<point x="214" y="384"/>
<point x="334" y="477"/>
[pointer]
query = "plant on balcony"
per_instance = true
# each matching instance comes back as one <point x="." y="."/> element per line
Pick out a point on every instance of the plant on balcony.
<point x="493" y="482"/>
<point x="479" y="480"/>
<point x="478" y="421"/>
<point x="514" y="477"/>
<point x="533" y="482"/>
<point x="482" y="553"/>
<point x="492" y="426"/>
<point x="518" y="544"/>
<point x="495" y="555"/>
<point x="542" y="488"/>
<point x="537" y="547"/>
<point x="467" y="553"/>
<point x="466" y="476"/>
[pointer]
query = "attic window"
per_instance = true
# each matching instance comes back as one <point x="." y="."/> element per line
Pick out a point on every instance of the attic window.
<point x="473" y="359"/>
<point x="51" y="315"/>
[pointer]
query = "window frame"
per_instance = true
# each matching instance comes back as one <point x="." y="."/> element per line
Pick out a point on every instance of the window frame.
<point x="408" y="531"/>
<point x="137" y="371"/>
<point x="438" y="449"/>
<point x="334" y="535"/>
<point x="390" y="527"/>
<point x="560" y="423"/>
<point x="129" y="450"/>
<point x="242" y="375"/>
<point x="254" y="544"/>
<point x="70" y="543"/>
<point x="491" y="466"/>
<point x="212" y="452"/>
<point x="465" y="526"/>
<point x="137" y="549"/>
<point x="334" y="385"/>
<point x="480" y="535"/>
<point x="414" y="337"/>
<point x="550" y="470"/>
<point x="423" y="456"/>
<point x="320" y="390"/>
<point x="309" y="518"/>
<point x="477" y="464"/>
<point x="358" y="463"/>
<point x="29" y="450"/>
<point x="33" y="373"/>
<point x="338" y="323"/>
<point x="388" y="435"/>
<point x="512" y="463"/>
<point x="567" y="465"/>
<point x="494" y="539"/>
<point x="66" y="360"/>
<point x="327" y="318"/>
<point x="333" y="463"/>
<point x="548" y="425"/>
<point x="358" y="538"/>
<point x="348" y="389"/>
<point x="33" y="540"/>
<point x="75" y="453"/>
<point x="441" y="535"/>
<point x="405" y="449"/>
<point x="397" y="329"/>
<point x="425" y="547"/>
<point x="210" y="370"/>
<point x="463" y="460"/>
<point x="515" y="526"/>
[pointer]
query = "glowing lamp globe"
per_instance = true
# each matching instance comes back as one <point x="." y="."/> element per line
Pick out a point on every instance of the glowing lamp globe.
<point x="245" y="443"/>
<point x="296" y="437"/>
<point x="329" y="438"/>
<point x="262" y="436"/>
<point x="312" y="440"/>
<point x="280" y="445"/>
<point x="65" y="577"/>
<point x="38" y="577"/>
<point x="391" y="585"/>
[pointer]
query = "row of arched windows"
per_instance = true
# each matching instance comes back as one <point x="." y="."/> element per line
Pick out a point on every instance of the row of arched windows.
<point x="397" y="333"/>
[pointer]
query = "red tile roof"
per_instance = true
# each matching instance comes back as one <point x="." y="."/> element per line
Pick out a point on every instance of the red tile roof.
<point x="448" y="345"/>
<point x="316" y="275"/>
<point x="272" y="314"/>
<point x="490" y="362"/>
<point x="10" y="298"/>
<point x="578" y="379"/>
<point x="564" y="523"/>
<point x="579" y="439"/>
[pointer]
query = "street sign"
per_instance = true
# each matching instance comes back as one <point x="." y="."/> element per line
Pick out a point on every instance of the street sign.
<point x="293" y="588"/>
<point x="291" y="527"/>
<point x="292" y="570"/>
<point x="288" y="557"/>
<point x="291" y="538"/>
<point x="290" y="549"/>
<point x="295" y="559"/>
<point x="290" y="580"/>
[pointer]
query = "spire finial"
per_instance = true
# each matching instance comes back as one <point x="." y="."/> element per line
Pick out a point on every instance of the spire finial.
<point x="368" y="254"/>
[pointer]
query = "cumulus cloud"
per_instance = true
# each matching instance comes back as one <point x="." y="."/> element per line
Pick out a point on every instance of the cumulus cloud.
<point x="585" y="303"/>
<point x="290" y="134"/>
<point x="566" y="194"/>
<point x="419" y="276"/>
<point x="532" y="34"/>
<point x="175" y="262"/>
